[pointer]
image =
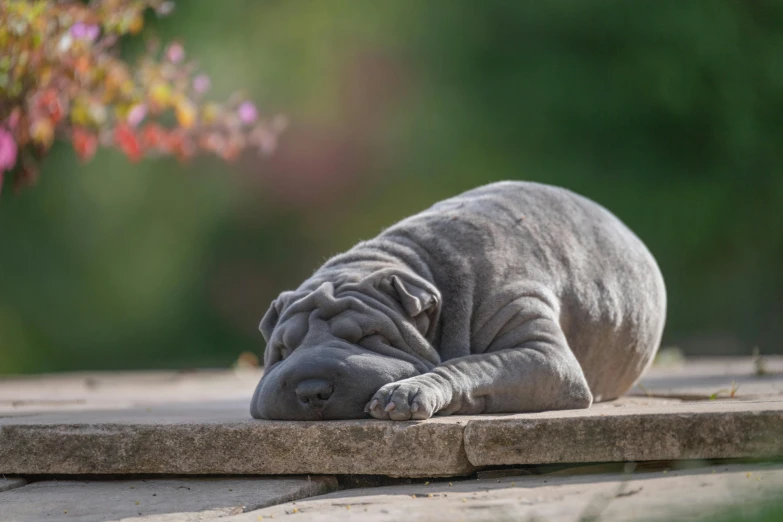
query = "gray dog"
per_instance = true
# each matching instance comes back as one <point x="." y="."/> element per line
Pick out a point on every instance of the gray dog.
<point x="513" y="297"/>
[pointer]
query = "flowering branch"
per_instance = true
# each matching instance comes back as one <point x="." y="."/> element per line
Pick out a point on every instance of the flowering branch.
<point x="61" y="78"/>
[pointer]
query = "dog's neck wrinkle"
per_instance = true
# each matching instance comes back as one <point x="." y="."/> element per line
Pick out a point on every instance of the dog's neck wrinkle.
<point x="369" y="257"/>
<point x="409" y="252"/>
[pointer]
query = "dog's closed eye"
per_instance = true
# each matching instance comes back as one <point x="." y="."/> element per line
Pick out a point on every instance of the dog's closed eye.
<point x="374" y="338"/>
<point x="283" y="350"/>
<point x="346" y="329"/>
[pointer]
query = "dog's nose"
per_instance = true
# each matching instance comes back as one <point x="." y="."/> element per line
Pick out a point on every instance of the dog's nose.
<point x="314" y="391"/>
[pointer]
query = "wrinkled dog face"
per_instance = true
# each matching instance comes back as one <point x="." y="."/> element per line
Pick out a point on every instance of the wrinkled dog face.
<point x="330" y="346"/>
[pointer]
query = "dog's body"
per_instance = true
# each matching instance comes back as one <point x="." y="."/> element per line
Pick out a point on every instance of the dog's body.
<point x="513" y="297"/>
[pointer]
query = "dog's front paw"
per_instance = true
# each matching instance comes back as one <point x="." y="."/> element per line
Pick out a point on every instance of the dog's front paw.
<point x="409" y="399"/>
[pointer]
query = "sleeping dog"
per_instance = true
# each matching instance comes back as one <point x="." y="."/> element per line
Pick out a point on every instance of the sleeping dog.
<point x="512" y="297"/>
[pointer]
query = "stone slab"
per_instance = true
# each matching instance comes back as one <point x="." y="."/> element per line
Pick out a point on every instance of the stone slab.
<point x="214" y="438"/>
<point x="7" y="484"/>
<point x="630" y="432"/>
<point x="198" y="423"/>
<point x="641" y="495"/>
<point x="158" y="500"/>
<point x="714" y="377"/>
<point x="123" y="390"/>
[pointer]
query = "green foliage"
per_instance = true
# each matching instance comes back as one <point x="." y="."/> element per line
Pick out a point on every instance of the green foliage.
<point x="669" y="113"/>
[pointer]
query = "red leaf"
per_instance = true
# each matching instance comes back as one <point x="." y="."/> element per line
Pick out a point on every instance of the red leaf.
<point x="50" y="103"/>
<point x="128" y="143"/>
<point x="153" y="136"/>
<point x="85" y="143"/>
<point x="180" y="145"/>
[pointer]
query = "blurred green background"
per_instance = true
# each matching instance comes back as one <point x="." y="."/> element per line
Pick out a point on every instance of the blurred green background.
<point x="669" y="113"/>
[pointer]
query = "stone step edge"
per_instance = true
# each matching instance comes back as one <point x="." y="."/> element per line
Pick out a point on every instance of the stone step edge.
<point x="408" y="449"/>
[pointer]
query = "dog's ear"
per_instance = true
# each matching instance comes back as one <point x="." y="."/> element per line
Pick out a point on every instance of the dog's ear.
<point x="419" y="299"/>
<point x="272" y="316"/>
<point x="414" y="299"/>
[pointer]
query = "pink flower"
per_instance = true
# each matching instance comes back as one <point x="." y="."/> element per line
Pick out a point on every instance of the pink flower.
<point x="82" y="31"/>
<point x="175" y="53"/>
<point x="8" y="151"/>
<point x="247" y="112"/>
<point x="137" y="114"/>
<point x="201" y="83"/>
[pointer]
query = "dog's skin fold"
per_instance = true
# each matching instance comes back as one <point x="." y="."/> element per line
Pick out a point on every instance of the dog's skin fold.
<point x="513" y="297"/>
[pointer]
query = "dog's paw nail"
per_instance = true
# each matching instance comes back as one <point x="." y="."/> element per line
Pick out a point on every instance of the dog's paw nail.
<point x="374" y="404"/>
<point x="415" y="407"/>
<point x="390" y="406"/>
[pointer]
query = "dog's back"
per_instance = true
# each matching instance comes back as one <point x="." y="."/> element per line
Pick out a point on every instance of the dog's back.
<point x="489" y="244"/>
